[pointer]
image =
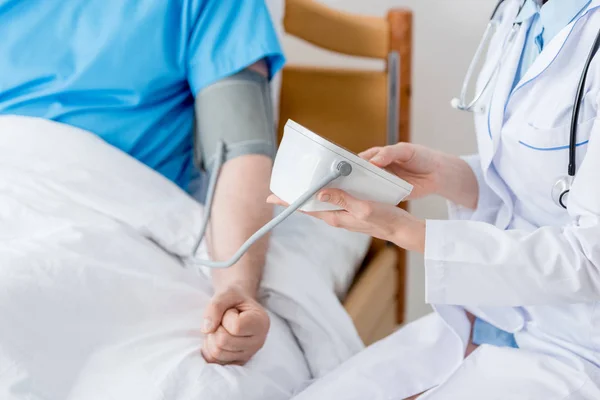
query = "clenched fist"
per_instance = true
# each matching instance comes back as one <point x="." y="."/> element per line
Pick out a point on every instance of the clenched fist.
<point x="235" y="327"/>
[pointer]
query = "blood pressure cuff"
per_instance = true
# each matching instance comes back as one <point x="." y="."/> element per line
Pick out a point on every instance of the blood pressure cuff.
<point x="238" y="110"/>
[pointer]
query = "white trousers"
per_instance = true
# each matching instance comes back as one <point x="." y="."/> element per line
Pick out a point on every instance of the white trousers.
<point x="427" y="355"/>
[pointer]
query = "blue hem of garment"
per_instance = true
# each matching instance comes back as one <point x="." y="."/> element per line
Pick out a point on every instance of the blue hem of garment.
<point x="485" y="333"/>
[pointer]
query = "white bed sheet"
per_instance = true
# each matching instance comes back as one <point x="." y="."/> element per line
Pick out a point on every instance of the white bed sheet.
<point x="95" y="303"/>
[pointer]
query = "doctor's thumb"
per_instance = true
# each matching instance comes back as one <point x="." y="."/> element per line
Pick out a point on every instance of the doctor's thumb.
<point x="215" y="310"/>
<point x="339" y="198"/>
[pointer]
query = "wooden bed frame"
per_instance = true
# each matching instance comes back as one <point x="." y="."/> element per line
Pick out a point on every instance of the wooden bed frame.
<point x="357" y="109"/>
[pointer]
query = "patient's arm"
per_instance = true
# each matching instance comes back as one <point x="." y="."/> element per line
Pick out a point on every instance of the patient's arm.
<point x="239" y="210"/>
<point x="236" y="323"/>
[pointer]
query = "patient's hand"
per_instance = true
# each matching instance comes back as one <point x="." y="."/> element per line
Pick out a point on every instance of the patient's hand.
<point x="236" y="327"/>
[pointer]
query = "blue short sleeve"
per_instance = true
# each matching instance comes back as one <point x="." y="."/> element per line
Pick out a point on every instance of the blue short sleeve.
<point x="226" y="36"/>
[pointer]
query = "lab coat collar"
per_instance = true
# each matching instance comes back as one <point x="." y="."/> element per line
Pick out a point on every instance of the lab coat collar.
<point x="551" y="51"/>
<point x="530" y="8"/>
<point x="503" y="88"/>
<point x="555" y="12"/>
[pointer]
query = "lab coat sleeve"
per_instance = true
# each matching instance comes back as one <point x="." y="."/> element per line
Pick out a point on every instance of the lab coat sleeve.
<point x="475" y="263"/>
<point x="488" y="202"/>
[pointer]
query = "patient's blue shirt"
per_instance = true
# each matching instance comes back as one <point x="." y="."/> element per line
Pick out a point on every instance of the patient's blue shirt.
<point x="127" y="70"/>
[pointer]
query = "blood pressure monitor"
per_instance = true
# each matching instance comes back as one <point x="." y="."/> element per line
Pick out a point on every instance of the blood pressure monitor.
<point x="304" y="158"/>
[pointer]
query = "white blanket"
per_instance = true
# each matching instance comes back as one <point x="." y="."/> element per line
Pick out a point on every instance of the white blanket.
<point x="95" y="303"/>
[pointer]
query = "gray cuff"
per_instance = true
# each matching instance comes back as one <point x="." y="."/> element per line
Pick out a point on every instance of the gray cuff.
<point x="238" y="111"/>
<point x="238" y="149"/>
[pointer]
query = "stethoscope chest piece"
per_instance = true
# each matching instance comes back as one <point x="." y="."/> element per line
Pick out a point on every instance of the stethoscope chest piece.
<point x="561" y="189"/>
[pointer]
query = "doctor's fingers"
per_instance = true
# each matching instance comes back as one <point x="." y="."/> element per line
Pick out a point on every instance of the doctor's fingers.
<point x="272" y="199"/>
<point x="339" y="219"/>
<point x="358" y="208"/>
<point x="368" y="154"/>
<point x="384" y="156"/>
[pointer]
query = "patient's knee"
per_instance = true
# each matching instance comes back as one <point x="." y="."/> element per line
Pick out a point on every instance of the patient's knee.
<point x="470" y="348"/>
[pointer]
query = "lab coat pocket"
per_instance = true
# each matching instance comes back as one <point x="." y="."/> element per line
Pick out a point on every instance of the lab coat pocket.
<point x="545" y="152"/>
<point x="553" y="112"/>
<point x="555" y="138"/>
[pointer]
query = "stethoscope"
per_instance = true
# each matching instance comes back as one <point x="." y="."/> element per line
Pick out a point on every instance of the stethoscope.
<point x="561" y="189"/>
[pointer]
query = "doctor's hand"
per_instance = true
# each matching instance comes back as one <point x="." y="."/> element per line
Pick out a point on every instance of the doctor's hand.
<point x="429" y="171"/>
<point x="235" y="327"/>
<point x="418" y="165"/>
<point x="379" y="220"/>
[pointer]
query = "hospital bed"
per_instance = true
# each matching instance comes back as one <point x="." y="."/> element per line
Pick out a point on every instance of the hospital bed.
<point x="97" y="242"/>
<point x="356" y="109"/>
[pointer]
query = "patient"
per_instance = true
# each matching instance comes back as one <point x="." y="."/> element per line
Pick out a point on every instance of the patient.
<point x="130" y="71"/>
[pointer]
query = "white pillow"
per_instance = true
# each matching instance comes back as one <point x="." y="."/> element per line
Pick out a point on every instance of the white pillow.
<point x="88" y="170"/>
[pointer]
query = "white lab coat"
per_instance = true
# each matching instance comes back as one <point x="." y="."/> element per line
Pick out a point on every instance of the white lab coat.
<point x="519" y="261"/>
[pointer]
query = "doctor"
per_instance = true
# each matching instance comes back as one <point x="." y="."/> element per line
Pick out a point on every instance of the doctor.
<point x="511" y="255"/>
